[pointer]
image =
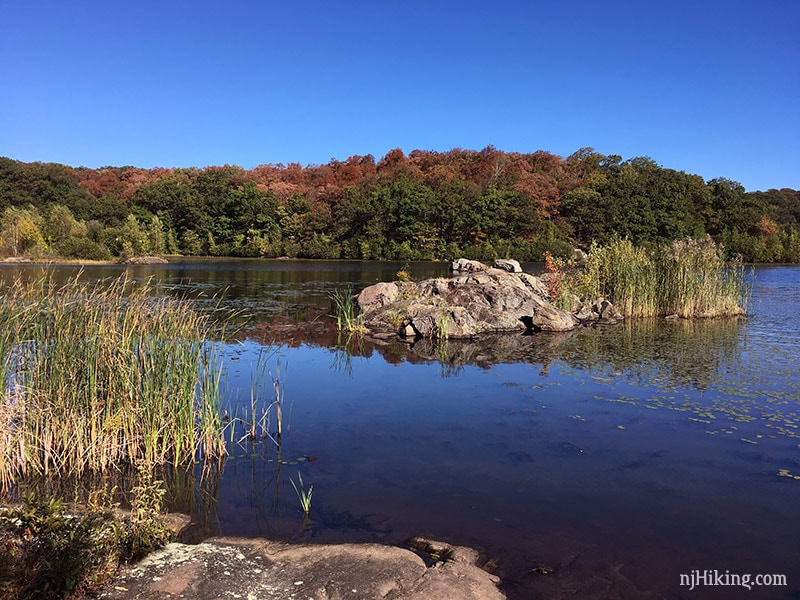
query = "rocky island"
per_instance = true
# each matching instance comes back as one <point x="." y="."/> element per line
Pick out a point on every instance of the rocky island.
<point x="478" y="299"/>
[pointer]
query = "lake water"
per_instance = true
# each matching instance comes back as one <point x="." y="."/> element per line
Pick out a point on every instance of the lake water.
<point x="601" y="463"/>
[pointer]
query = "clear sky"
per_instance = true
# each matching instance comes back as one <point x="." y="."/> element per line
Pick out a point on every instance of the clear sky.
<point x="705" y="86"/>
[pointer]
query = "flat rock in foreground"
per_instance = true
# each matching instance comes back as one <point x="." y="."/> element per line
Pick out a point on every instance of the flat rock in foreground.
<point x="244" y="568"/>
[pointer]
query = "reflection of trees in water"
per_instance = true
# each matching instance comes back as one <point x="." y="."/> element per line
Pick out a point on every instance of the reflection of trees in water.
<point x="681" y="352"/>
<point x="685" y="353"/>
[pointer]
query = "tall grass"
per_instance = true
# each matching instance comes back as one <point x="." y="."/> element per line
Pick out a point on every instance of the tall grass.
<point x="101" y="375"/>
<point x="696" y="281"/>
<point x="346" y="311"/>
<point x="688" y="278"/>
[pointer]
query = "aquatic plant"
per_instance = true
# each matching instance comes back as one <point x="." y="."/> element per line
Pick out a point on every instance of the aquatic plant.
<point x="98" y="375"/>
<point x="303" y="495"/>
<point x="266" y="402"/>
<point x="348" y="317"/>
<point x="696" y="281"/>
<point x="626" y="275"/>
<point x="441" y="330"/>
<point x="278" y="389"/>
<point x="688" y="278"/>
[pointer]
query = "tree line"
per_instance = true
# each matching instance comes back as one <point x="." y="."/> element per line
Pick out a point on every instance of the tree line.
<point x="424" y="205"/>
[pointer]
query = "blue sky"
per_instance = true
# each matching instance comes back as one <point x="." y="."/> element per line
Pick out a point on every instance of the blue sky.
<point x="709" y="86"/>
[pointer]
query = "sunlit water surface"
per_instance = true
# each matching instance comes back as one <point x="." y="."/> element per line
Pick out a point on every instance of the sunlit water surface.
<point x="607" y="461"/>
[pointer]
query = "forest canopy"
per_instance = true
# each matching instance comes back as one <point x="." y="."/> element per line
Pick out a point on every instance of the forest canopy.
<point x="425" y="205"/>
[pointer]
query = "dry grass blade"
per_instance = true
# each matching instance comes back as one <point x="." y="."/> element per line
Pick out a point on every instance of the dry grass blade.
<point x="102" y="375"/>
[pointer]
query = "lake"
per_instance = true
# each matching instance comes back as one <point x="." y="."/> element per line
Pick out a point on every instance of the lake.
<point x="606" y="462"/>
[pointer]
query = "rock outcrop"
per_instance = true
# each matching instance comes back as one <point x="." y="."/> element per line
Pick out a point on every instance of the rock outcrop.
<point x="239" y="568"/>
<point x="145" y="260"/>
<point x="512" y="266"/>
<point x="477" y="300"/>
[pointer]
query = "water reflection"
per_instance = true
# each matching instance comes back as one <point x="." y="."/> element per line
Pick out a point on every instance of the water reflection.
<point x="682" y="353"/>
<point x="655" y="445"/>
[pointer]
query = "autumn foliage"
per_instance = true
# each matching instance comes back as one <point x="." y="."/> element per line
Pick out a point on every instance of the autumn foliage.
<point x="424" y="205"/>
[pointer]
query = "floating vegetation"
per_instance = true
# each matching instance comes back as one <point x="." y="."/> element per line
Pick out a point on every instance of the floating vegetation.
<point x="786" y="473"/>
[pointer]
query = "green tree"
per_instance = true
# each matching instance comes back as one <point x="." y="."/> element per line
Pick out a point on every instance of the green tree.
<point x="251" y="209"/>
<point x="134" y="238"/>
<point x="733" y="209"/>
<point x="156" y="238"/>
<point x="60" y="225"/>
<point x="20" y="231"/>
<point x="190" y="243"/>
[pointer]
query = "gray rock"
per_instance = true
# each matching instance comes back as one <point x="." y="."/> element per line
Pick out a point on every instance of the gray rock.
<point x="239" y="568"/>
<point x="599" y="311"/>
<point x="482" y="300"/>
<point x="377" y="295"/>
<point x="507" y="264"/>
<point x="580" y="256"/>
<point x="464" y="265"/>
<point x="609" y="315"/>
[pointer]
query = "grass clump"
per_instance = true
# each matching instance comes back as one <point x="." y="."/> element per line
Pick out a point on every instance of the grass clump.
<point x="688" y="278"/>
<point x="101" y="375"/>
<point x="303" y="494"/>
<point x="403" y="274"/>
<point x="346" y="312"/>
<point x="696" y="281"/>
<point x="51" y="553"/>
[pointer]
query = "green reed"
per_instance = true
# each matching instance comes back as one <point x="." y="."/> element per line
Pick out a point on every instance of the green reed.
<point x="696" y="281"/>
<point x="345" y="307"/>
<point x="99" y="375"/>
<point x="303" y="494"/>
<point x="688" y="278"/>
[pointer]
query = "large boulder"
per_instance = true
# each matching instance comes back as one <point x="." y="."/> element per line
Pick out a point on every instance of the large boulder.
<point x="482" y="300"/>
<point x="510" y="265"/>
<point x="464" y="265"/>
<point x="376" y="296"/>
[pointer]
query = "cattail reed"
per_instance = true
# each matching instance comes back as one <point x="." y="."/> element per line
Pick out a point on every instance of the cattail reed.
<point x="688" y="278"/>
<point x="101" y="375"/>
